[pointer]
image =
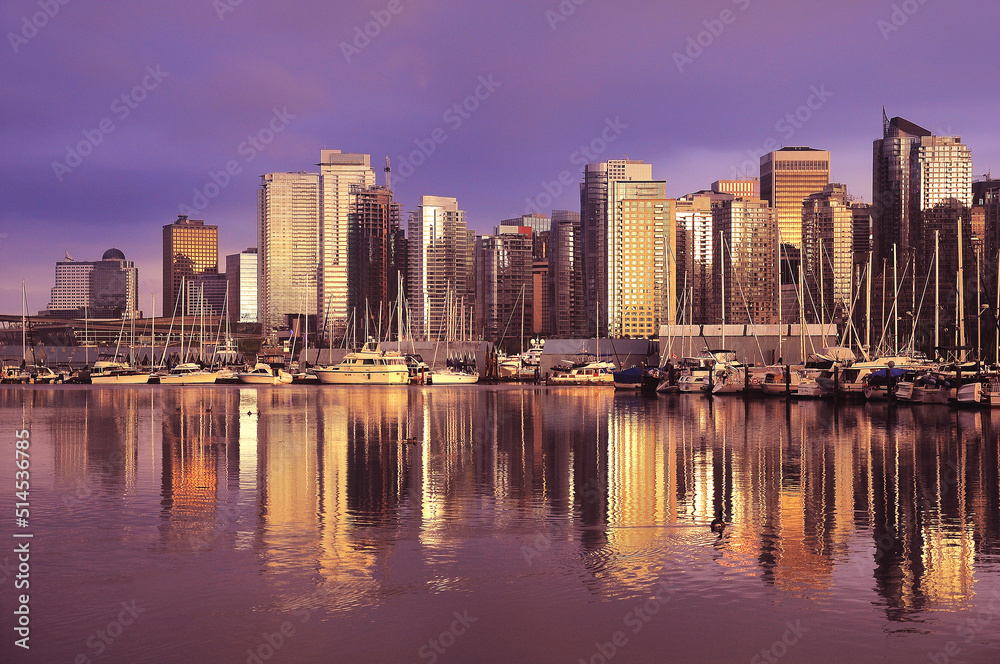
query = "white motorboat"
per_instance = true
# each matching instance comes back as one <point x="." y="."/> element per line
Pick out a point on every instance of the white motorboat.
<point x="116" y="373"/>
<point x="451" y="377"/>
<point x="188" y="373"/>
<point x="368" y="366"/>
<point x="582" y="373"/>
<point x="263" y="374"/>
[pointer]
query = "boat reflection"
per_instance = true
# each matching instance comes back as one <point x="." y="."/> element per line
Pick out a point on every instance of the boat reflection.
<point x="338" y="489"/>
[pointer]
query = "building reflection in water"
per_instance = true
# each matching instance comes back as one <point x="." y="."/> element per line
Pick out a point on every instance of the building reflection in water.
<point x="333" y="487"/>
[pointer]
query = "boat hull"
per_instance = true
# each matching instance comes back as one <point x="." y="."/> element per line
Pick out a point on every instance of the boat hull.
<point x="189" y="379"/>
<point x="453" y="379"/>
<point x="120" y="379"/>
<point x="338" y="376"/>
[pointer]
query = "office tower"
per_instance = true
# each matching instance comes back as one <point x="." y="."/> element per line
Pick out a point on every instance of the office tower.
<point x="114" y="286"/>
<point x="504" y="285"/>
<point x="71" y="292"/>
<point x="337" y="172"/>
<point x="375" y="248"/>
<point x="438" y="269"/>
<point x="538" y="223"/>
<point x="913" y="171"/>
<point x="641" y="259"/>
<point x="541" y="308"/>
<point x="695" y="239"/>
<point x="241" y="275"/>
<point x="605" y="231"/>
<point x="747" y="188"/>
<point x="205" y="295"/>
<point x="190" y="248"/>
<point x="288" y="247"/>
<point x="991" y="205"/>
<point x="568" y="316"/>
<point x="862" y="221"/>
<point x="745" y="275"/>
<point x="787" y="176"/>
<point x="107" y="288"/>
<point x="827" y="248"/>
<point x="539" y="227"/>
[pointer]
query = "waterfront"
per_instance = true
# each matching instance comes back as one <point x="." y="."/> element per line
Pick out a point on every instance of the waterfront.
<point x="500" y="524"/>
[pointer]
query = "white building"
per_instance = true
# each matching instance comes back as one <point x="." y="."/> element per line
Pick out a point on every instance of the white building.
<point x="441" y="264"/>
<point x="241" y="275"/>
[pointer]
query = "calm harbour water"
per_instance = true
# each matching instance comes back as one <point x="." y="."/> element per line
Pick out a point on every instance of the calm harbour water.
<point x="498" y="524"/>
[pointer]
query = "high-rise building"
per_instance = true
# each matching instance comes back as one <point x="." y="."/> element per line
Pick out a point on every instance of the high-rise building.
<point x="190" y="248"/>
<point x="504" y="284"/>
<point x="72" y="290"/>
<point x="641" y="259"/>
<point x="338" y="171"/>
<point x="862" y="221"/>
<point x="538" y="223"/>
<point x="241" y="274"/>
<point x="107" y="288"/>
<point x="439" y="270"/>
<point x="205" y="295"/>
<point x="827" y="247"/>
<point x="568" y="316"/>
<point x="787" y="176"/>
<point x="695" y="241"/>
<point x="288" y="247"/>
<point x="913" y="171"/>
<point x="626" y="219"/>
<point x="991" y="205"/>
<point x="747" y="188"/>
<point x="744" y="255"/>
<point x="377" y="246"/>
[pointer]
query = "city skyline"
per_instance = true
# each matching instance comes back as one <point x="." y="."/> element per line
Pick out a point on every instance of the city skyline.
<point x="194" y="128"/>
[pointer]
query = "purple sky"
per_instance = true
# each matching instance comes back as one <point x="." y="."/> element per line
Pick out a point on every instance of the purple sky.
<point x="201" y="85"/>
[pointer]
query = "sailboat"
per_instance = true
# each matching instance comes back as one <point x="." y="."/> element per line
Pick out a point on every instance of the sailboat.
<point x="189" y="373"/>
<point x="450" y="375"/>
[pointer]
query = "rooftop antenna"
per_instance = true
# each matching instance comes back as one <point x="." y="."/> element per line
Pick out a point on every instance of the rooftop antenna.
<point x="388" y="174"/>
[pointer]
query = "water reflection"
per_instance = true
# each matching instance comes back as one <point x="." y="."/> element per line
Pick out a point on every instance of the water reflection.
<point x="371" y="492"/>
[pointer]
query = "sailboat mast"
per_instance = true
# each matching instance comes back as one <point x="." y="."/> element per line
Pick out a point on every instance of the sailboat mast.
<point x="780" y="320"/>
<point x="937" y="292"/>
<point x="722" y="270"/>
<point x="895" y="304"/>
<point x="868" y="303"/>
<point x="961" y="295"/>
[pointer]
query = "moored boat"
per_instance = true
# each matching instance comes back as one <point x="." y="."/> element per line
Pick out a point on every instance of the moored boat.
<point x="594" y="372"/>
<point x="188" y="373"/>
<point x="117" y="373"/>
<point x="368" y="366"/>
<point x="263" y="374"/>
